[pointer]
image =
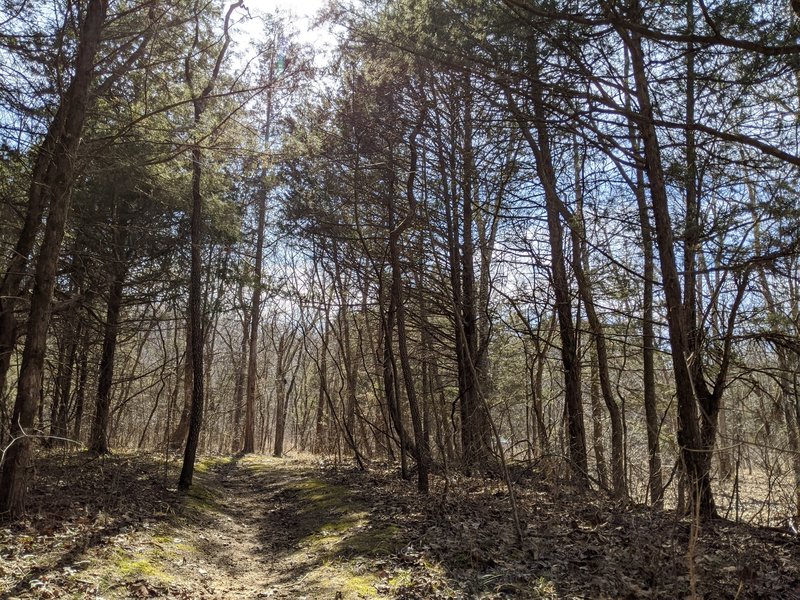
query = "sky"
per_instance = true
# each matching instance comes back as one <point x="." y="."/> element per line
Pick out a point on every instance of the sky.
<point x="299" y="7"/>
<point x="303" y="10"/>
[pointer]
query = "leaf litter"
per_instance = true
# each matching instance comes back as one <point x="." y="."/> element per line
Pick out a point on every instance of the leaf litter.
<point x="259" y="527"/>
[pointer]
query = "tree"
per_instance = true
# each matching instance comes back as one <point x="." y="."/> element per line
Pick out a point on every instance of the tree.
<point x="50" y="187"/>
<point x="200" y="99"/>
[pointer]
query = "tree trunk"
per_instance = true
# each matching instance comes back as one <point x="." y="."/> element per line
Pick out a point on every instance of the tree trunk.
<point x="690" y="439"/>
<point x="255" y="323"/>
<point x="280" y="396"/>
<point x="196" y="272"/>
<point x="178" y="437"/>
<point x="597" y="425"/>
<point x="726" y="470"/>
<point x="655" y="480"/>
<point x="239" y="385"/>
<point x="319" y="430"/>
<point x="80" y="393"/>
<point x="540" y="146"/>
<point x="60" y="166"/>
<point x="600" y="368"/>
<point x="791" y="412"/>
<point x="475" y="434"/>
<point x="390" y="384"/>
<point x="98" y="443"/>
<point x="420" y="439"/>
<point x="62" y="417"/>
<point x="62" y="387"/>
<point x="195" y="323"/>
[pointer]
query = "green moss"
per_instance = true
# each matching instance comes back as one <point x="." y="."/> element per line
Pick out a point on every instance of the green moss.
<point x="267" y="464"/>
<point x="142" y="566"/>
<point x="207" y="463"/>
<point x="362" y="586"/>
<point x="344" y="524"/>
<point x="312" y="484"/>
<point x="338" y="525"/>
<point x="338" y="579"/>
<point x="201" y="498"/>
<point x="262" y="465"/>
<point x="374" y="541"/>
<point x="162" y="539"/>
<point x="402" y="579"/>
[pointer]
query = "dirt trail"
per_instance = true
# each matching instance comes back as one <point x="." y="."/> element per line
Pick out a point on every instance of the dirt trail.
<point x="264" y="528"/>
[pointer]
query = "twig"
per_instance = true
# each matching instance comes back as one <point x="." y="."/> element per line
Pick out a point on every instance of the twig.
<point x="32" y="436"/>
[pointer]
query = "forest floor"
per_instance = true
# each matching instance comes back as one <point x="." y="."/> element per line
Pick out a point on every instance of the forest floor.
<point x="258" y="527"/>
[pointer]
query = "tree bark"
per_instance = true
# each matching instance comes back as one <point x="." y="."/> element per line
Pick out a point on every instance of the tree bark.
<point x="239" y="385"/>
<point x="597" y="425"/>
<point x="322" y="362"/>
<point x="398" y="300"/>
<point x="80" y="392"/>
<point x="280" y="395"/>
<point x="195" y="324"/>
<point x="62" y="417"/>
<point x="655" y="480"/>
<point x="600" y="359"/>
<point x="390" y="383"/>
<point x="255" y="316"/>
<point x="178" y="437"/>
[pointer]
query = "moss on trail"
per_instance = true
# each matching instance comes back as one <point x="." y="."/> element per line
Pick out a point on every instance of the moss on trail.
<point x="202" y="498"/>
<point x="336" y="534"/>
<point x="135" y="566"/>
<point x="248" y="526"/>
<point x="209" y="463"/>
<point x="339" y="525"/>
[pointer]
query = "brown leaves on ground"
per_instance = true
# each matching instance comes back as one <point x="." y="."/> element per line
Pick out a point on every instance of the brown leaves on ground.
<point x="259" y="527"/>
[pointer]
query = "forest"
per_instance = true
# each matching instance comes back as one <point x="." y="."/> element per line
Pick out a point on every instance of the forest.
<point x="400" y="299"/>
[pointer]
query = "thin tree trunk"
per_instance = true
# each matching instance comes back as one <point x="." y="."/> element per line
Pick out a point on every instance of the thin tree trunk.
<point x="655" y="479"/>
<point x="196" y="271"/>
<point x="195" y="323"/>
<point x="80" y="393"/>
<point x="420" y="440"/>
<point x="390" y="383"/>
<point x="178" y="437"/>
<point x="581" y="269"/>
<point x="319" y="431"/>
<point x="62" y="417"/>
<point x="239" y="385"/>
<point x="656" y="484"/>
<point x="280" y="395"/>
<point x="540" y="146"/>
<point x="255" y="316"/>
<point x="58" y="386"/>
<point x="597" y="425"/>
<point x="98" y="442"/>
<point x="475" y="434"/>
